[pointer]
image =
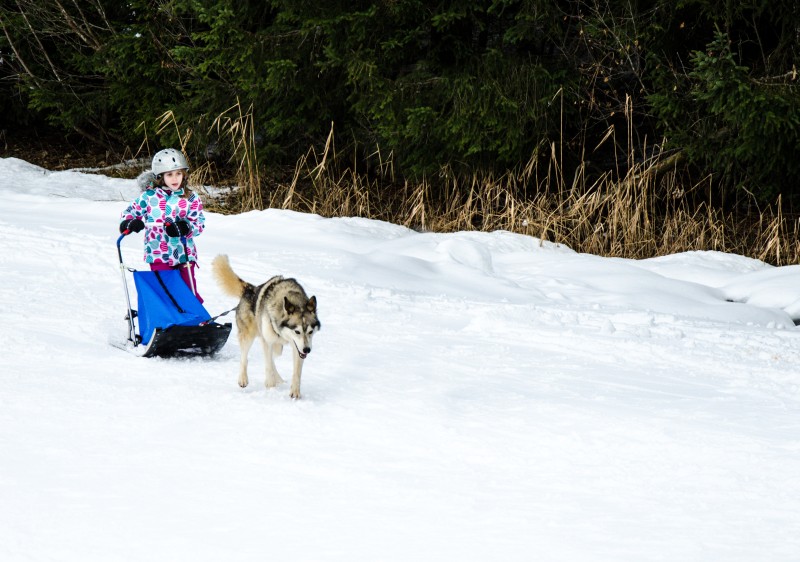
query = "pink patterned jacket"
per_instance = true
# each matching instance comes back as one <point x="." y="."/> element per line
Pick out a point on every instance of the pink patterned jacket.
<point x="157" y="208"/>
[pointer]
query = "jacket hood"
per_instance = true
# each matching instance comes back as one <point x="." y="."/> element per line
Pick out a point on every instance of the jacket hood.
<point x="147" y="180"/>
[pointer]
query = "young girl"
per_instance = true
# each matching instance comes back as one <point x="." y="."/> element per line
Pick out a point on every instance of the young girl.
<point x="170" y="216"/>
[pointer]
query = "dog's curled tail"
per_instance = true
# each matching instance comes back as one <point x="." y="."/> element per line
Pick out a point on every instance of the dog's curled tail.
<point x="230" y="283"/>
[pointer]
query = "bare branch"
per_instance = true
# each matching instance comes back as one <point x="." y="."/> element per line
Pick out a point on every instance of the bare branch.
<point x="101" y="11"/>
<point x="86" y="38"/>
<point x="16" y="53"/>
<point x="36" y="37"/>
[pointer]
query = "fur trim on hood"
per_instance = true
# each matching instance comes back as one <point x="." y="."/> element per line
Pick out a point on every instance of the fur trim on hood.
<point x="146" y="180"/>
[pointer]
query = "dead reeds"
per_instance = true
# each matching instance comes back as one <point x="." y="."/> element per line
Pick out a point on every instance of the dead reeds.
<point x="643" y="212"/>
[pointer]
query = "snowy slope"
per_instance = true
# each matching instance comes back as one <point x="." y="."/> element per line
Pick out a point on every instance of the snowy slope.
<point x="471" y="396"/>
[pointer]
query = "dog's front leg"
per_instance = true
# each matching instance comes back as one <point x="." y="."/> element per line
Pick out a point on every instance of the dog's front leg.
<point x="297" y="372"/>
<point x="273" y="378"/>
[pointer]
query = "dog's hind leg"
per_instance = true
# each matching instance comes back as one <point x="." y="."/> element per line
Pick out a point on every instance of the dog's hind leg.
<point x="245" y="343"/>
<point x="273" y="378"/>
<point x="297" y="372"/>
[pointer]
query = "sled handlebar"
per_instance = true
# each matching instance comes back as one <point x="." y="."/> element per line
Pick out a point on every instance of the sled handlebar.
<point x="131" y="326"/>
<point x="119" y="241"/>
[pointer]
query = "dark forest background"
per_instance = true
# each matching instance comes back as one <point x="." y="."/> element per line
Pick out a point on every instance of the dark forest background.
<point x="708" y="87"/>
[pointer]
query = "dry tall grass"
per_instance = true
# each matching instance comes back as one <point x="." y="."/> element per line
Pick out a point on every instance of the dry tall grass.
<point x="237" y="129"/>
<point x="641" y="213"/>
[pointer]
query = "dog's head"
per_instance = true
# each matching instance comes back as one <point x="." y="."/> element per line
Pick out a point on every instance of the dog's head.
<point x="300" y="323"/>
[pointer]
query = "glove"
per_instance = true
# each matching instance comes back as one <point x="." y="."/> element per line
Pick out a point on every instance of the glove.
<point x="132" y="225"/>
<point x="180" y="228"/>
<point x="184" y="227"/>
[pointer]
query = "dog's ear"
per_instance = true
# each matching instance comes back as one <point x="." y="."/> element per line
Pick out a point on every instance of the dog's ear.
<point x="288" y="306"/>
<point x="311" y="305"/>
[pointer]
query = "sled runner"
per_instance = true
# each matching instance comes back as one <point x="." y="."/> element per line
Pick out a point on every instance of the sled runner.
<point x="169" y="320"/>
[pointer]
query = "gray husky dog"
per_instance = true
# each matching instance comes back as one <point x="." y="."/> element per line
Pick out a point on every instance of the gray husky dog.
<point x="278" y="312"/>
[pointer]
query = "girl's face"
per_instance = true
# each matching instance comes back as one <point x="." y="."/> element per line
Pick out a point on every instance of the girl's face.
<point x="173" y="179"/>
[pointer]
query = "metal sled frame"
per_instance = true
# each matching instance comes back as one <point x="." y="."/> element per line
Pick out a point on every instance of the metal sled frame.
<point x="205" y="338"/>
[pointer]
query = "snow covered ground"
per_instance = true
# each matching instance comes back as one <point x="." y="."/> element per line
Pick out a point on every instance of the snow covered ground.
<point x="471" y="396"/>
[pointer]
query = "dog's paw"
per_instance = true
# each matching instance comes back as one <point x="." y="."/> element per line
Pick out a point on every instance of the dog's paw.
<point x="243" y="382"/>
<point x="273" y="380"/>
<point x="294" y="395"/>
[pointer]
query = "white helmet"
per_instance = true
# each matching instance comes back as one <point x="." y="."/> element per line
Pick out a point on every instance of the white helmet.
<point x="168" y="160"/>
